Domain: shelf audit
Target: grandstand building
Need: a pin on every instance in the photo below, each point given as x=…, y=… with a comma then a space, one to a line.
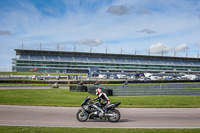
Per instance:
x=81, y=62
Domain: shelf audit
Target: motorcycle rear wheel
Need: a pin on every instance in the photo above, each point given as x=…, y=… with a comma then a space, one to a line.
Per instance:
x=116, y=116
x=82, y=116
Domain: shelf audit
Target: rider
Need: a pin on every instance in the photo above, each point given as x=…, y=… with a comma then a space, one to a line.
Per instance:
x=103, y=97
x=56, y=84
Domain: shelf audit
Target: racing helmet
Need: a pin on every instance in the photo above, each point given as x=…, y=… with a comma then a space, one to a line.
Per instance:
x=98, y=91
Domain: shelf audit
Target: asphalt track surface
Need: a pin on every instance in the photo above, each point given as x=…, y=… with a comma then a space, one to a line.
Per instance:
x=45, y=116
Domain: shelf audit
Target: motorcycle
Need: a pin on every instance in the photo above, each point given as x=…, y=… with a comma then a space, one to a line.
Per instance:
x=55, y=86
x=88, y=111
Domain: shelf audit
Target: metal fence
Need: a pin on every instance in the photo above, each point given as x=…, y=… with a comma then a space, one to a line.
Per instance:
x=152, y=90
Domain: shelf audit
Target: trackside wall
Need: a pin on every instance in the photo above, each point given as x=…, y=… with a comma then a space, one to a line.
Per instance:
x=151, y=90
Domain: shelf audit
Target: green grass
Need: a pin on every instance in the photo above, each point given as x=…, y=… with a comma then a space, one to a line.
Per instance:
x=49, y=97
x=31, y=84
x=64, y=97
x=160, y=101
x=10, y=129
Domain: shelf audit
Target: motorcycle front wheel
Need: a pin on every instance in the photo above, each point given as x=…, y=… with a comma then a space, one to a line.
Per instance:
x=116, y=115
x=82, y=116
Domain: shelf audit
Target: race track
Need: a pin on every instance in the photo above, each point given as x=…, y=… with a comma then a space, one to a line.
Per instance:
x=14, y=115
x=30, y=87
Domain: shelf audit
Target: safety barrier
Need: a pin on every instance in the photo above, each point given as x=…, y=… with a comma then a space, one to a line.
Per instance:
x=152, y=90
x=80, y=88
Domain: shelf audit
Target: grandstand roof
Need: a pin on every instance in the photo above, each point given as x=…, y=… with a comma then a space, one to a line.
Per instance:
x=88, y=54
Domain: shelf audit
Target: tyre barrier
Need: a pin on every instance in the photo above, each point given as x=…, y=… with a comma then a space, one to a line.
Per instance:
x=80, y=88
x=108, y=92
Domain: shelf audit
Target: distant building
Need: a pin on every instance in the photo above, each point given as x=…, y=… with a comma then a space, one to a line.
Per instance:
x=81, y=62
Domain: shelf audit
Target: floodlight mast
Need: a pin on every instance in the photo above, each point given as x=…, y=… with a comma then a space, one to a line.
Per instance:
x=22, y=45
x=57, y=47
x=135, y=51
x=74, y=47
x=40, y=46
x=91, y=49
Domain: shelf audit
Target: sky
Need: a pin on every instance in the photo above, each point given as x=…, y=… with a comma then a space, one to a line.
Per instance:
x=142, y=27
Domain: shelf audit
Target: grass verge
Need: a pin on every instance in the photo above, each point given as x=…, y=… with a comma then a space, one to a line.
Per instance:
x=11, y=129
x=64, y=97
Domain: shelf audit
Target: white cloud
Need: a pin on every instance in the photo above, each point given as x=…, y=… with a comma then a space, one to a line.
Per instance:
x=118, y=10
x=159, y=48
x=90, y=42
x=4, y=32
x=147, y=31
x=181, y=48
x=197, y=44
x=143, y=11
